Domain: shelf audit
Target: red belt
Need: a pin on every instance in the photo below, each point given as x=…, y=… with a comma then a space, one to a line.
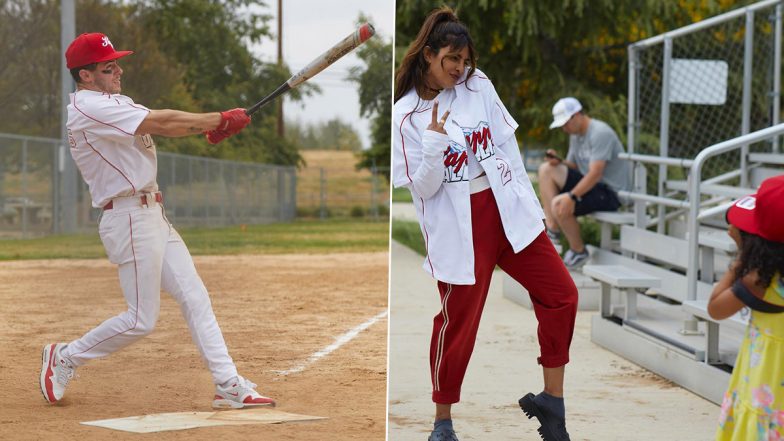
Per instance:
x=143, y=199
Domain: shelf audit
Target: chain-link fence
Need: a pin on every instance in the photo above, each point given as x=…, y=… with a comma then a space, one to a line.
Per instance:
x=336, y=192
x=198, y=191
x=706, y=83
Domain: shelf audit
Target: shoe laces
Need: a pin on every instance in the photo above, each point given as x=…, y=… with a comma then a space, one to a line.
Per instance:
x=65, y=372
x=245, y=383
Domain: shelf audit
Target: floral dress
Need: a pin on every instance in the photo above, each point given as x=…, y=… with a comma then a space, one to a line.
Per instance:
x=753, y=406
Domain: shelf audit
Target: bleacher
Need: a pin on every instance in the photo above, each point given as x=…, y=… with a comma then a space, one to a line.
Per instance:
x=655, y=279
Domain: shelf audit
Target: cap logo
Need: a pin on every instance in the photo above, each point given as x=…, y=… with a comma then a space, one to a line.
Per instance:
x=747, y=203
x=105, y=42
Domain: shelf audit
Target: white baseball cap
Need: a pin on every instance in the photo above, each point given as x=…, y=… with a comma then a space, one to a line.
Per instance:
x=563, y=110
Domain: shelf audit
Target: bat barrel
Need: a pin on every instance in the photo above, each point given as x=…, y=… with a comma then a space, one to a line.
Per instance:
x=366, y=31
x=345, y=46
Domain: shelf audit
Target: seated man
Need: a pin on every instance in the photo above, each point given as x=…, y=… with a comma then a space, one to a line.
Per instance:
x=587, y=181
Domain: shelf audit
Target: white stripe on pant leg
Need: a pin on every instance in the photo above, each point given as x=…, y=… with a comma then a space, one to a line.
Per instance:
x=339, y=341
x=441, y=334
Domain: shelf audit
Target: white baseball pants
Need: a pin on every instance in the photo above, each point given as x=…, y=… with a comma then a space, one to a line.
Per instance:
x=151, y=255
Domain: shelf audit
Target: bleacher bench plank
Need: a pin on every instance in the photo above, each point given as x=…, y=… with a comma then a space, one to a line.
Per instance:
x=699, y=308
x=621, y=277
x=767, y=158
x=614, y=217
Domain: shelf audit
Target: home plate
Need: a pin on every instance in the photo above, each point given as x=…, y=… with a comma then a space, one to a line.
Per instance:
x=160, y=422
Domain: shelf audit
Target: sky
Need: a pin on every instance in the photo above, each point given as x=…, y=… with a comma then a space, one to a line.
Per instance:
x=309, y=29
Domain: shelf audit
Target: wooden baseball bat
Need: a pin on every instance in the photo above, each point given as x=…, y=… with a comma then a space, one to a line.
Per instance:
x=320, y=63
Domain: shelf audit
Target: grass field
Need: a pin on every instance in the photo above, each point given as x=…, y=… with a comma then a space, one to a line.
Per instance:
x=347, y=191
x=302, y=236
x=401, y=195
x=409, y=234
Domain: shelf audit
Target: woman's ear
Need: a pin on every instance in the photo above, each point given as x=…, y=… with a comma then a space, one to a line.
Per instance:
x=429, y=54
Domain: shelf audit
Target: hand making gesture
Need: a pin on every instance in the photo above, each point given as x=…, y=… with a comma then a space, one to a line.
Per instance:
x=437, y=125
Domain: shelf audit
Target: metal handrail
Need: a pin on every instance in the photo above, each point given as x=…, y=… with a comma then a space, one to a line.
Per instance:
x=705, y=23
x=662, y=160
x=659, y=200
x=694, y=193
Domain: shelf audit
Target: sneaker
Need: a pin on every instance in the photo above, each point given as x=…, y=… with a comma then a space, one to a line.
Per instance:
x=240, y=394
x=553, y=428
x=443, y=435
x=573, y=259
x=56, y=372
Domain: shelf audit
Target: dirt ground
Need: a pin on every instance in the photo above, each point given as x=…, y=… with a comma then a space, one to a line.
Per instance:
x=275, y=311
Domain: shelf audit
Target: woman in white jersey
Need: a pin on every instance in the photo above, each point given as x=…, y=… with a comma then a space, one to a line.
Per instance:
x=110, y=142
x=455, y=150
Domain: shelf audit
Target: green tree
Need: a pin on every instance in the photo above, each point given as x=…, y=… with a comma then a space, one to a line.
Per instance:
x=330, y=135
x=209, y=40
x=189, y=55
x=375, y=99
x=536, y=52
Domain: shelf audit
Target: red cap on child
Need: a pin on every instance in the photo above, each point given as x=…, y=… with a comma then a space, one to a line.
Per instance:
x=763, y=213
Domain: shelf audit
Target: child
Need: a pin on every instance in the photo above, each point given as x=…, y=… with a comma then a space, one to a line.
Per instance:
x=753, y=406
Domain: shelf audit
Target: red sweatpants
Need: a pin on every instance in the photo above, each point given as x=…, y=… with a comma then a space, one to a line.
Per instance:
x=537, y=267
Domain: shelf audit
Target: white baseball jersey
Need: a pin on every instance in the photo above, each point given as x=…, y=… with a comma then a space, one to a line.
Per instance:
x=437, y=170
x=113, y=161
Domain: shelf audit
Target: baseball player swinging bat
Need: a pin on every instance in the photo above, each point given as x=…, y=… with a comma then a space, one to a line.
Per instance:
x=320, y=63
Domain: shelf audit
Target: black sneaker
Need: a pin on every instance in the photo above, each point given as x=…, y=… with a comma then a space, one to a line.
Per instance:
x=443, y=435
x=553, y=427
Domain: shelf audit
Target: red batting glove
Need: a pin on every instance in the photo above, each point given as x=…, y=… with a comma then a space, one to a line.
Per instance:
x=216, y=136
x=232, y=121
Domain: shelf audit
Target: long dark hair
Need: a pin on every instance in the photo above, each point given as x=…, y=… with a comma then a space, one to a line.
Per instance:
x=440, y=29
x=757, y=253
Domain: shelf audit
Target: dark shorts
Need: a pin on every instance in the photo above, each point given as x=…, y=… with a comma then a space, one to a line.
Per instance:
x=600, y=198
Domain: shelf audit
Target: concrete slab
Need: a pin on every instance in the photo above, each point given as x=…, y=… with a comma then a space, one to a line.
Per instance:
x=607, y=397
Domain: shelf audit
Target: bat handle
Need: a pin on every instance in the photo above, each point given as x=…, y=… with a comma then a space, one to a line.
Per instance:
x=254, y=108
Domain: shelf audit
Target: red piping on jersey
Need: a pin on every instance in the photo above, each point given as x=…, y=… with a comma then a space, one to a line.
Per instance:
x=138, y=107
x=136, y=278
x=427, y=239
x=403, y=139
x=73, y=101
x=107, y=161
x=502, y=114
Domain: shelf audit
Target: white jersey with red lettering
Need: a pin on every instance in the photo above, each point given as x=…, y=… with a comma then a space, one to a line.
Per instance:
x=112, y=159
x=437, y=168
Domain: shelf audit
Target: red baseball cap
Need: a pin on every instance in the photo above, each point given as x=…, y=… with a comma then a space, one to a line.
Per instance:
x=762, y=213
x=91, y=48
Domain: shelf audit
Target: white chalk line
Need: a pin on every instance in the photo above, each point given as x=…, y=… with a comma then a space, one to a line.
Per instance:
x=339, y=341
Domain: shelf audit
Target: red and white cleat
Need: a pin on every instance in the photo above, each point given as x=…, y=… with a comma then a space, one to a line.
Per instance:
x=240, y=394
x=56, y=372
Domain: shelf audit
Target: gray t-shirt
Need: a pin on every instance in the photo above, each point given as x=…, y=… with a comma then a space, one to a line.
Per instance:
x=600, y=143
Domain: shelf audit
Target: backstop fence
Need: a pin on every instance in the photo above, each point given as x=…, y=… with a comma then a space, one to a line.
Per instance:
x=197, y=191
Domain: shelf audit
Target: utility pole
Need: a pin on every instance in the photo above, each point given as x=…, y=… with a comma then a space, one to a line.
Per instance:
x=64, y=200
x=281, y=128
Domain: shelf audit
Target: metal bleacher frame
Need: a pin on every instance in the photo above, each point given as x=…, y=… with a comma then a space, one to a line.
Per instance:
x=652, y=286
x=664, y=277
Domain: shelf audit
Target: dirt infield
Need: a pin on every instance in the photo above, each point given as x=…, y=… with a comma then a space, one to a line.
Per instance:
x=275, y=312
